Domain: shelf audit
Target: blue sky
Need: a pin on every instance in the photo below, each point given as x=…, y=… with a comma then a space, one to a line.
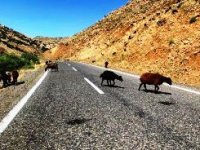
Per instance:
x=54, y=18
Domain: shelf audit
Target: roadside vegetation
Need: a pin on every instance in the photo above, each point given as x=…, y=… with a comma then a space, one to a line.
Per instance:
x=12, y=61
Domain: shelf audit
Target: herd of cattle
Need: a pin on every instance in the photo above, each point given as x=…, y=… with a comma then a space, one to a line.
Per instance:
x=155, y=79
x=147, y=78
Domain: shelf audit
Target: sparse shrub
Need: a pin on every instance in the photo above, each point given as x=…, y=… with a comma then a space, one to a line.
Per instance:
x=179, y=5
x=193, y=19
x=171, y=42
x=161, y=22
x=130, y=37
x=125, y=44
x=168, y=9
x=143, y=9
x=114, y=53
x=157, y=14
x=174, y=11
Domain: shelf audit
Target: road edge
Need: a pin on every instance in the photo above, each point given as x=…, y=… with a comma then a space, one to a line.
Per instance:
x=16, y=109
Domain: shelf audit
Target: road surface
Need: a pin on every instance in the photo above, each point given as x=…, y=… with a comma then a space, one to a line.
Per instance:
x=71, y=110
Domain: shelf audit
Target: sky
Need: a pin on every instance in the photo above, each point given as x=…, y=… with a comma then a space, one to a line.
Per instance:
x=54, y=18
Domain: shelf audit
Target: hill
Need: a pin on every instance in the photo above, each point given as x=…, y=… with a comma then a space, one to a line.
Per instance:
x=12, y=41
x=143, y=36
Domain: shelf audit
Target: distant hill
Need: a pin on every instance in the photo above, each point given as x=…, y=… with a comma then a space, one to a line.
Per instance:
x=143, y=36
x=12, y=41
x=50, y=42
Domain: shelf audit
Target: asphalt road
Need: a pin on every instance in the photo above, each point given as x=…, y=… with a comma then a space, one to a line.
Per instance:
x=66, y=112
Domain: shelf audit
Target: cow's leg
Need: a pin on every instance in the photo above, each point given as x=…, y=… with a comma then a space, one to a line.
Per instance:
x=102, y=81
x=145, y=87
x=140, y=86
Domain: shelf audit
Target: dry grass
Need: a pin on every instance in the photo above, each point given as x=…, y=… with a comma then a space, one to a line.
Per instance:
x=10, y=96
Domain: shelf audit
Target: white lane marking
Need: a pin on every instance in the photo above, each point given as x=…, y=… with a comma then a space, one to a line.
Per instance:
x=94, y=86
x=186, y=89
x=11, y=115
x=74, y=69
x=183, y=89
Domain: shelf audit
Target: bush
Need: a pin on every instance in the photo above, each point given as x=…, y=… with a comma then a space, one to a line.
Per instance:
x=114, y=53
x=171, y=42
x=161, y=22
x=30, y=57
x=11, y=62
x=193, y=19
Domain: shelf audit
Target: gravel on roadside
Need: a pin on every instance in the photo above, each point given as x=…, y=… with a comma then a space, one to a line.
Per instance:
x=11, y=95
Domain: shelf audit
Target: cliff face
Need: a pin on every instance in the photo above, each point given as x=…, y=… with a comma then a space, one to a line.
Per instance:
x=144, y=35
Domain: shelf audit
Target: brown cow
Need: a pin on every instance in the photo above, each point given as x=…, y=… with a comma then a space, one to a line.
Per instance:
x=153, y=79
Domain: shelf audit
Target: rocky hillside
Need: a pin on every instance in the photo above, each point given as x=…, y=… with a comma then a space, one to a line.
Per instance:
x=14, y=42
x=50, y=42
x=144, y=35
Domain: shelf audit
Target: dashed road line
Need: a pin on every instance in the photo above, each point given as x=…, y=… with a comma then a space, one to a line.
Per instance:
x=74, y=69
x=94, y=86
x=11, y=115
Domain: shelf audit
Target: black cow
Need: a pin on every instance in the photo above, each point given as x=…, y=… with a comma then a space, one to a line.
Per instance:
x=110, y=76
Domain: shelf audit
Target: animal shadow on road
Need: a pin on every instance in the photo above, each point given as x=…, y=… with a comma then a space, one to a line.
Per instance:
x=158, y=92
x=19, y=83
x=11, y=84
x=167, y=103
x=114, y=86
x=78, y=121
